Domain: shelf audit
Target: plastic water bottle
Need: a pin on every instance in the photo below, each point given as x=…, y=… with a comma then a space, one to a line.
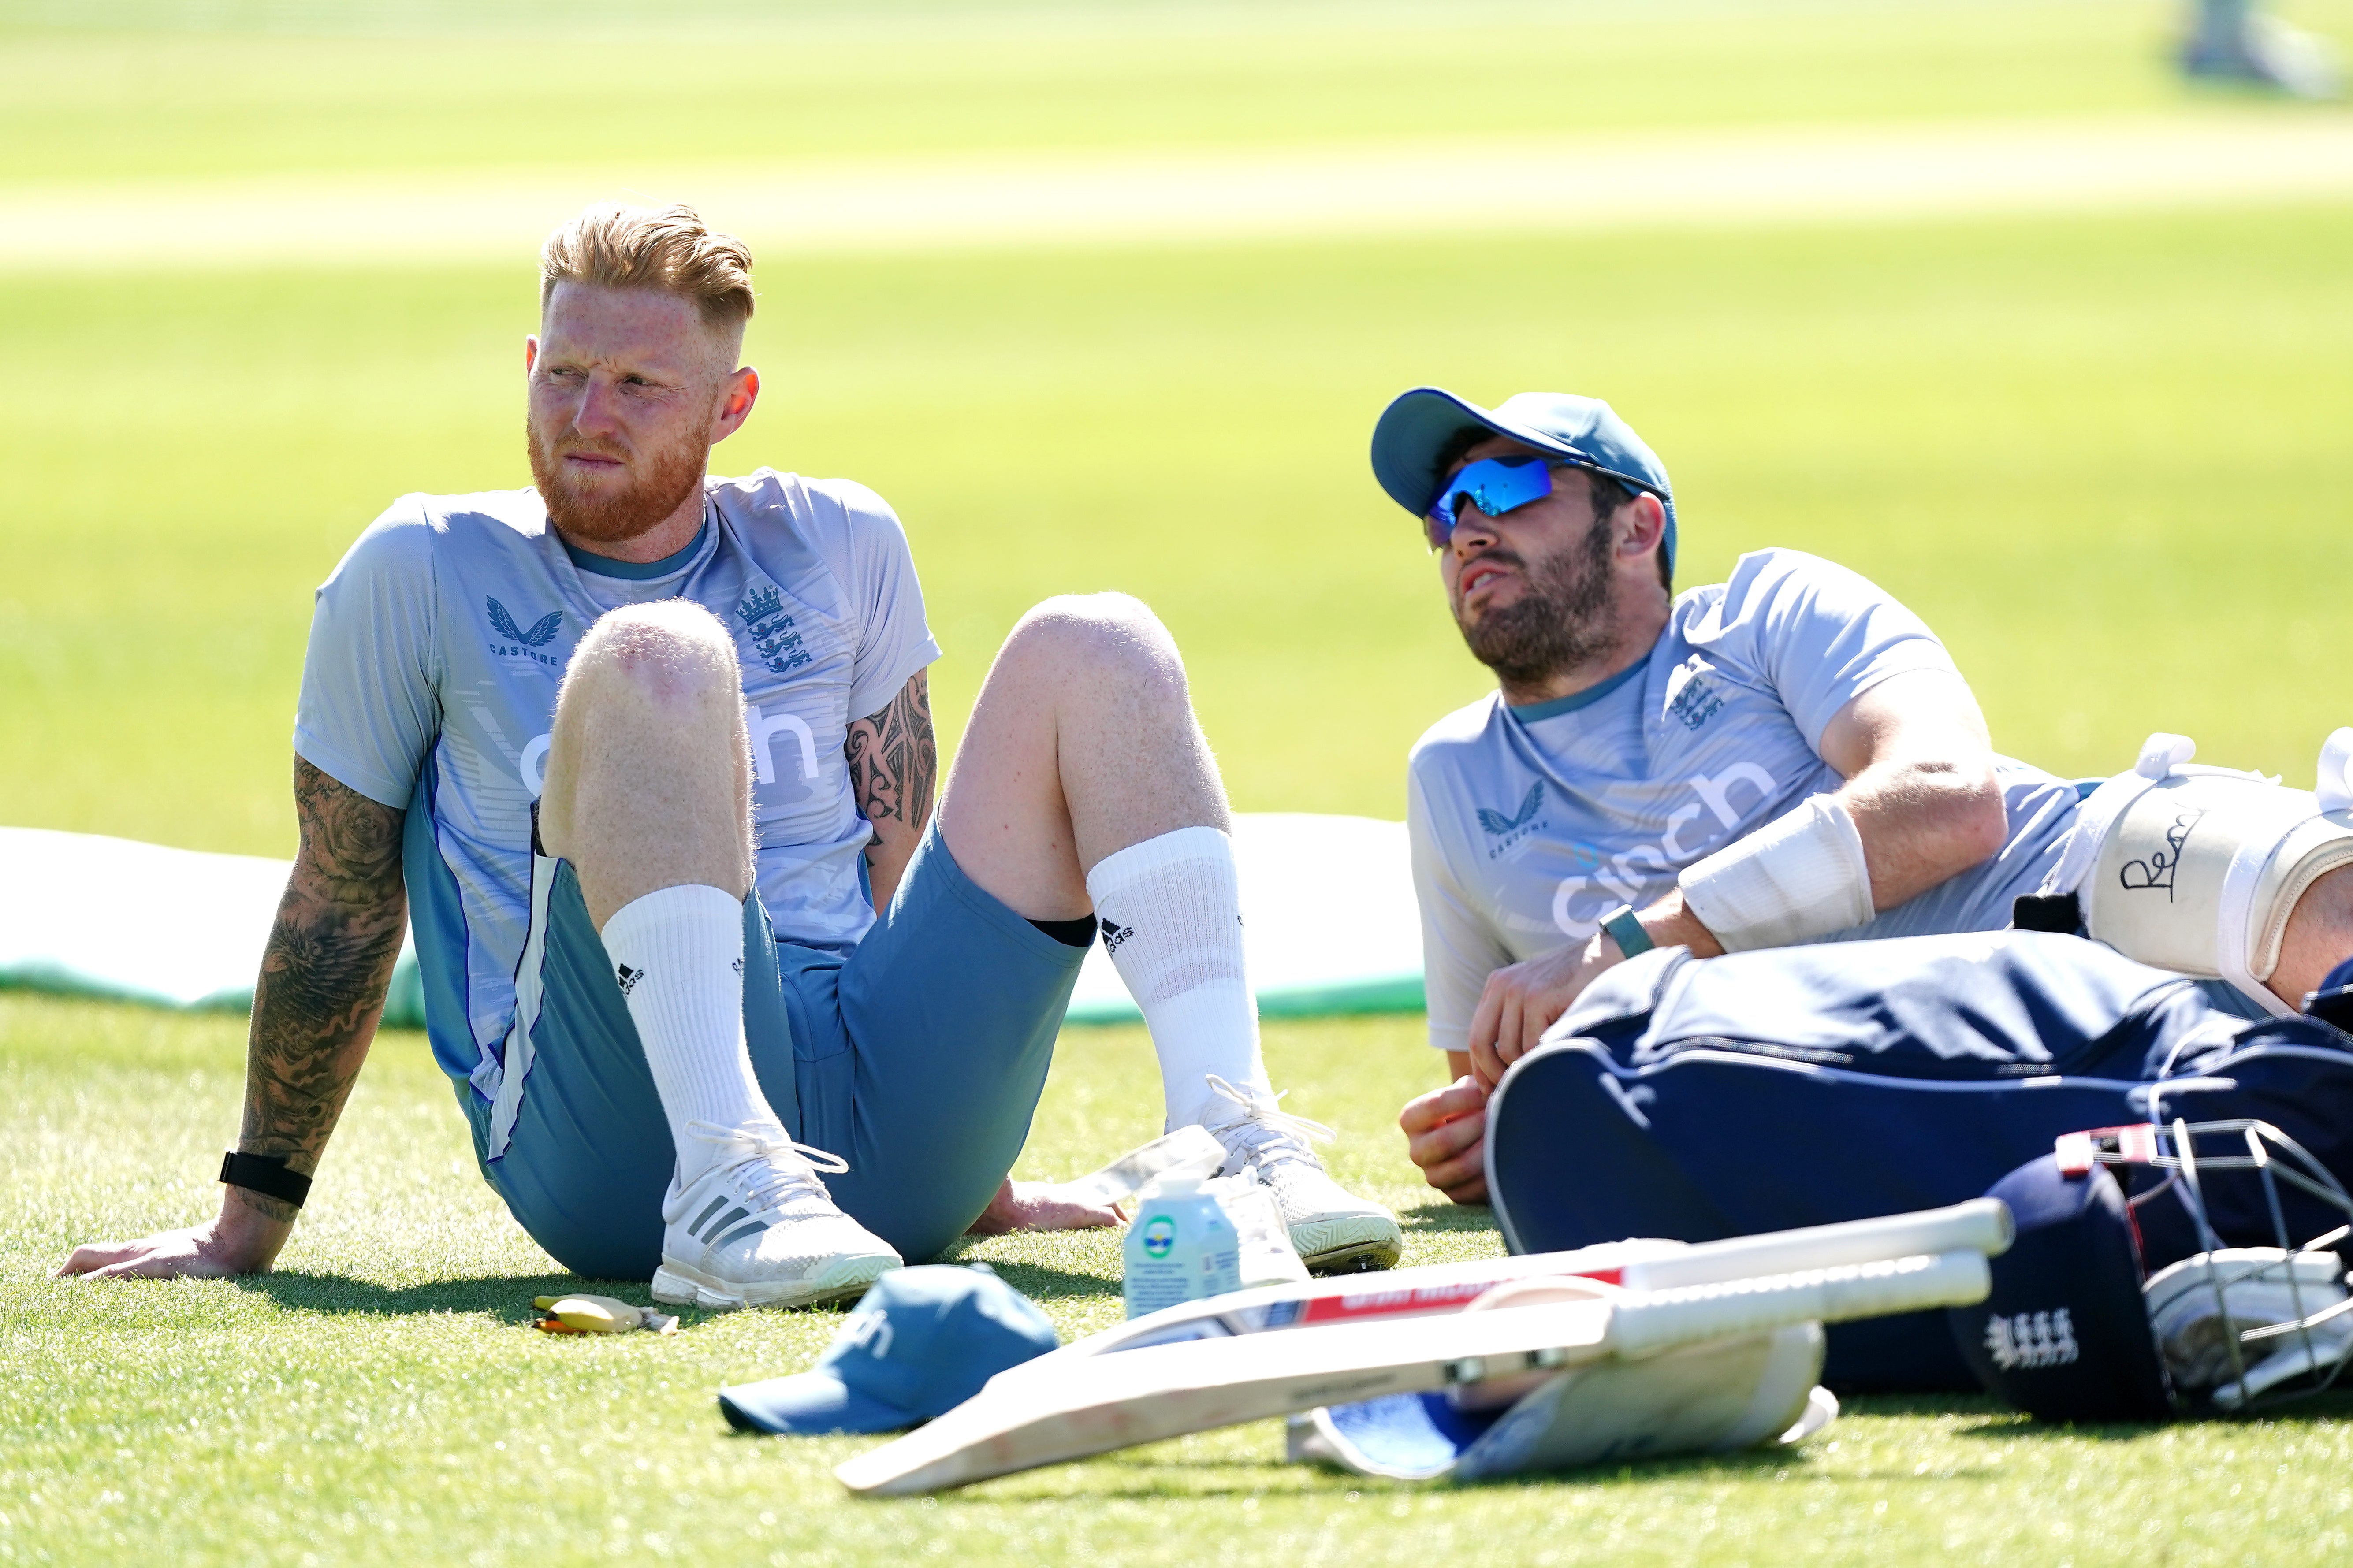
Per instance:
x=1180, y=1247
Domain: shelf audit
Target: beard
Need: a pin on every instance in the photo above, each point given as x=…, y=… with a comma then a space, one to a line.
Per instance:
x=1561, y=619
x=620, y=513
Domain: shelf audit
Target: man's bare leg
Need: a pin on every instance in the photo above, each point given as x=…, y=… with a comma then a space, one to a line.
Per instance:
x=1083, y=745
x=649, y=798
x=1084, y=784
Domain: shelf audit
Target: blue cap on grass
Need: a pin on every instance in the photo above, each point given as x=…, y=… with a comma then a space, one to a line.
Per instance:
x=2065, y=1334
x=1416, y=427
x=921, y=1343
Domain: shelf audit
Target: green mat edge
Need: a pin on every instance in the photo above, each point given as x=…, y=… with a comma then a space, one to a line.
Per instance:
x=404, y=1006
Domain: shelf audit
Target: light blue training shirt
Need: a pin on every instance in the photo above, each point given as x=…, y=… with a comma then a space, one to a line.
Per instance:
x=437, y=645
x=1528, y=824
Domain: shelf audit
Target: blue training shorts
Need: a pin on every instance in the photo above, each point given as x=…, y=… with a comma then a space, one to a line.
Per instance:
x=918, y=1059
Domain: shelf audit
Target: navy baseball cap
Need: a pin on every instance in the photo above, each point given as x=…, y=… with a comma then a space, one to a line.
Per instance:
x=2065, y=1334
x=921, y=1343
x=1419, y=424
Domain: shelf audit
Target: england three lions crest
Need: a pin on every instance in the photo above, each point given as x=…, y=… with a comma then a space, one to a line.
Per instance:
x=774, y=639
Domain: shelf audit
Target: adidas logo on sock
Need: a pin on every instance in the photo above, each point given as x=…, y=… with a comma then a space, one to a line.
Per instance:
x=628, y=977
x=739, y=966
x=1115, y=934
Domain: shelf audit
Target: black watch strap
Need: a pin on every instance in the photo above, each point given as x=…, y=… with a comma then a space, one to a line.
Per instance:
x=266, y=1175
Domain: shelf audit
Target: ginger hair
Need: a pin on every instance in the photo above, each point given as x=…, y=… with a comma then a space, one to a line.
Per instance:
x=672, y=250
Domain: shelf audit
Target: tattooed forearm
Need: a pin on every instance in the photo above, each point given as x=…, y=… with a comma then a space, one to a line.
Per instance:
x=322, y=974
x=895, y=767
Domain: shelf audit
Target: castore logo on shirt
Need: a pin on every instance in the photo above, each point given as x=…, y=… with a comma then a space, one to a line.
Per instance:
x=525, y=643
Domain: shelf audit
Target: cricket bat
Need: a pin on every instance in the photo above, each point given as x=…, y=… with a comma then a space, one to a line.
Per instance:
x=1980, y=1224
x=1093, y=1405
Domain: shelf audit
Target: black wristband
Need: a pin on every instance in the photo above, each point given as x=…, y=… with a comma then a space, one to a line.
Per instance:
x=266, y=1175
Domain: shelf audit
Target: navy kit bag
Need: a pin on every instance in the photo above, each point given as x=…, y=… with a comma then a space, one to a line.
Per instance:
x=1802, y=1085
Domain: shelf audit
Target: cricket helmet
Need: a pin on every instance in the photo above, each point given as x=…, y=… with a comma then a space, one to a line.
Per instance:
x=2079, y=1329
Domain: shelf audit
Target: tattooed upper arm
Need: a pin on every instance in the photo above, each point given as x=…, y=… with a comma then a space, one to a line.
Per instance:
x=894, y=762
x=323, y=972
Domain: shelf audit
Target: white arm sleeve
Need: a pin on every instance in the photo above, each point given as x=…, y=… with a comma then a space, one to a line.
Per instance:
x=1799, y=877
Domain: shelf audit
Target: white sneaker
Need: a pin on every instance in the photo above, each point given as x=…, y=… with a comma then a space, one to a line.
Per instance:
x=1333, y=1231
x=758, y=1229
x=2266, y=52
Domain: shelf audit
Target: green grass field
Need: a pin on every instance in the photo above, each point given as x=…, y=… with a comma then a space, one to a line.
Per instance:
x=2102, y=455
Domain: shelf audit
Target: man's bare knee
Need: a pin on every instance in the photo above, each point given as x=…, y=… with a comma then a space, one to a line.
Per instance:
x=649, y=764
x=1094, y=640
x=668, y=656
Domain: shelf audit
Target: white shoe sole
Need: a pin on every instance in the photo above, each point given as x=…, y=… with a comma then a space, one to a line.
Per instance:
x=1355, y=1244
x=846, y=1281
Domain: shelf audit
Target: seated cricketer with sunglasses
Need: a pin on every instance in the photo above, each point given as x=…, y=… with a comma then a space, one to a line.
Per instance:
x=1789, y=756
x=646, y=757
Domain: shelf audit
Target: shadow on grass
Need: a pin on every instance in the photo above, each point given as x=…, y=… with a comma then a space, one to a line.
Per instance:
x=1444, y=1214
x=2005, y=1424
x=507, y=1298
x=1173, y=1479
x=1039, y=1281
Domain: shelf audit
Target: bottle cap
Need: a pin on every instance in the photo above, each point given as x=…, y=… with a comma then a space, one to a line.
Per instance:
x=1176, y=1187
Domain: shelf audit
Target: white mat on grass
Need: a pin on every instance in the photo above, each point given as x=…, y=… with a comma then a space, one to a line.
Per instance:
x=1327, y=911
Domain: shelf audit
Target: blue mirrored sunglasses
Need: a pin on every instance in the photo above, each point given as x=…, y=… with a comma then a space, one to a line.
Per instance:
x=1493, y=485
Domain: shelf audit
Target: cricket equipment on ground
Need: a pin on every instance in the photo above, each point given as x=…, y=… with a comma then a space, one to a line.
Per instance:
x=2197, y=869
x=1419, y=427
x=1069, y=1409
x=2265, y=1290
x=1493, y=485
x=1717, y=1396
x=2238, y=1326
x=758, y=1229
x=1802, y=1086
x=598, y=1315
x=678, y=956
x=1331, y=1229
x=2063, y=1334
x=923, y=1341
x=1799, y=877
x=1980, y=1224
x=1171, y=914
x=1422, y=1295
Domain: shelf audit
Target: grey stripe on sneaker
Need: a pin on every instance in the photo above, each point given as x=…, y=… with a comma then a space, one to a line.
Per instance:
x=740, y=1232
x=695, y=1229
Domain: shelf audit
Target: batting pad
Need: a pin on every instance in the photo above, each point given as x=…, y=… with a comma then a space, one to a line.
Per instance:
x=1327, y=911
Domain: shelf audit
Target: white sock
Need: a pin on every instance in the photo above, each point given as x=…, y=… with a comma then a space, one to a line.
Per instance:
x=1171, y=909
x=678, y=956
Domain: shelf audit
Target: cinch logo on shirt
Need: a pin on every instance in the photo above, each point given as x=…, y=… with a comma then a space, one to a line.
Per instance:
x=521, y=643
x=1632, y=872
